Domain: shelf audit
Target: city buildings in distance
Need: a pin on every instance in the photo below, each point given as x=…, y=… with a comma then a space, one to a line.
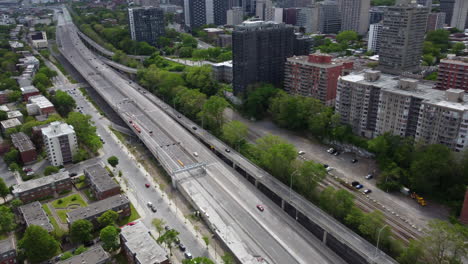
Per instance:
x=146, y=24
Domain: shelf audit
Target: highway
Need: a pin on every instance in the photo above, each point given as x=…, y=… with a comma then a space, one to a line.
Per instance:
x=227, y=201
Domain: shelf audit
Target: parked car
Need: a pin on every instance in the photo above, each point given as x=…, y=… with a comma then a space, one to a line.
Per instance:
x=355, y=183
x=301, y=152
x=369, y=176
x=182, y=247
x=188, y=255
x=147, y=185
x=325, y=166
x=359, y=186
x=367, y=191
x=354, y=160
x=329, y=169
x=194, y=128
x=227, y=150
x=150, y=204
x=337, y=153
x=331, y=150
x=260, y=207
x=167, y=228
x=73, y=174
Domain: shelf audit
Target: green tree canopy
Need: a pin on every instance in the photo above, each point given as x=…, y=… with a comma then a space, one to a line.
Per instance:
x=12, y=156
x=201, y=78
x=63, y=102
x=347, y=36
x=7, y=219
x=81, y=231
x=3, y=115
x=113, y=161
x=110, y=238
x=190, y=102
x=212, y=113
x=108, y=218
x=4, y=190
x=198, y=260
x=258, y=100
x=234, y=133
x=85, y=131
x=37, y=244
x=49, y=170
x=158, y=223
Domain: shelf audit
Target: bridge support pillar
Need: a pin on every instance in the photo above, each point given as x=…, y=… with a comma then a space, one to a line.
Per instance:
x=324, y=240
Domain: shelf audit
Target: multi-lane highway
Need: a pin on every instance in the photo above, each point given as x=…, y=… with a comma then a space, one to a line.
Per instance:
x=228, y=202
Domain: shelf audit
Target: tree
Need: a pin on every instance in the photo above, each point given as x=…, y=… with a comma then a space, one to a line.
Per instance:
x=85, y=131
x=201, y=78
x=80, y=250
x=108, y=218
x=411, y=254
x=3, y=115
x=81, y=230
x=347, y=36
x=234, y=133
x=440, y=38
x=41, y=80
x=66, y=255
x=14, y=96
x=37, y=244
x=190, y=102
x=458, y=48
x=63, y=102
x=276, y=155
x=110, y=238
x=168, y=238
x=373, y=227
x=198, y=260
x=207, y=240
x=228, y=259
x=4, y=190
x=309, y=175
x=212, y=113
x=50, y=170
x=12, y=156
x=7, y=219
x=159, y=223
x=15, y=203
x=258, y=100
x=113, y=161
x=185, y=52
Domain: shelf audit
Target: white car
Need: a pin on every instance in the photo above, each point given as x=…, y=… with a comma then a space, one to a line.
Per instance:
x=329, y=169
x=301, y=152
x=150, y=204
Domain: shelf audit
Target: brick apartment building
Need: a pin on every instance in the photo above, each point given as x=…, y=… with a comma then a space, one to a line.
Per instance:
x=315, y=75
x=29, y=91
x=7, y=251
x=117, y=203
x=25, y=147
x=139, y=247
x=36, y=189
x=453, y=73
x=100, y=182
x=39, y=105
x=34, y=214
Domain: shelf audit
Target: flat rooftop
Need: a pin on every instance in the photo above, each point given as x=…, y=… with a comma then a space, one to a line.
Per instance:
x=32, y=184
x=14, y=122
x=6, y=245
x=34, y=214
x=97, y=208
x=29, y=89
x=41, y=101
x=99, y=176
x=22, y=142
x=140, y=243
x=425, y=91
x=56, y=129
x=93, y=255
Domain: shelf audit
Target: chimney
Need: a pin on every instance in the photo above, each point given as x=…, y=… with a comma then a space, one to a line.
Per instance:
x=371, y=76
x=454, y=95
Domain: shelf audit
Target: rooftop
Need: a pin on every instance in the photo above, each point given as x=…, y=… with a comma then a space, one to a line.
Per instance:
x=4, y=108
x=100, y=178
x=95, y=254
x=224, y=63
x=14, y=113
x=213, y=30
x=34, y=214
x=140, y=243
x=56, y=129
x=22, y=142
x=28, y=89
x=41, y=101
x=97, y=208
x=6, y=245
x=9, y=123
x=425, y=91
x=32, y=184
x=317, y=60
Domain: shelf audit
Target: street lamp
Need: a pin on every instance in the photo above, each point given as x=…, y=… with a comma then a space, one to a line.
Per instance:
x=290, y=184
x=378, y=239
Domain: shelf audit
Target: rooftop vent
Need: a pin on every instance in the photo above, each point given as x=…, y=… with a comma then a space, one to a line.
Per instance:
x=372, y=76
x=454, y=95
x=408, y=84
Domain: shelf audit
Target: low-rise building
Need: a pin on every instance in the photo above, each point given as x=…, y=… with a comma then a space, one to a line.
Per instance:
x=25, y=147
x=222, y=72
x=140, y=247
x=315, y=75
x=373, y=104
x=39, y=105
x=4, y=146
x=4, y=96
x=60, y=143
x=15, y=114
x=29, y=91
x=7, y=251
x=93, y=255
x=9, y=123
x=36, y=189
x=100, y=182
x=39, y=40
x=34, y=214
x=117, y=203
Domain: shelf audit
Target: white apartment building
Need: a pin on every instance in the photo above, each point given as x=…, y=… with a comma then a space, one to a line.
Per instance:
x=375, y=32
x=373, y=104
x=60, y=142
x=235, y=16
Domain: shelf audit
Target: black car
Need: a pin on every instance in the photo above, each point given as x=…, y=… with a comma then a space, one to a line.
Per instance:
x=325, y=166
x=167, y=228
x=227, y=150
x=182, y=247
x=194, y=128
x=73, y=174
x=354, y=160
x=355, y=183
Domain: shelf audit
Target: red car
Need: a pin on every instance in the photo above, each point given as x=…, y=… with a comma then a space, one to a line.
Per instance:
x=260, y=207
x=147, y=185
x=131, y=223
